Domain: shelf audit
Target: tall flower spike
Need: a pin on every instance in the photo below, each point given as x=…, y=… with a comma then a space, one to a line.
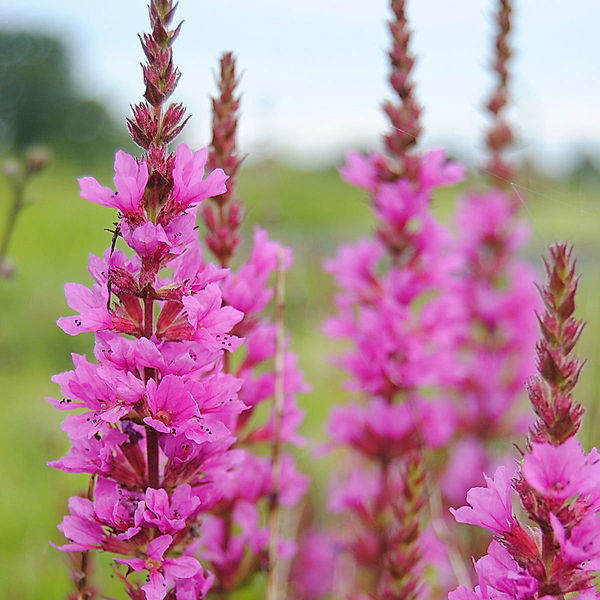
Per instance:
x=498, y=305
x=391, y=308
x=558, y=415
x=155, y=412
x=238, y=541
x=557, y=482
x=499, y=137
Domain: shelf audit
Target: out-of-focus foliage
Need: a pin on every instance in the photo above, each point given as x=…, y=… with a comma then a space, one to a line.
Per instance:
x=40, y=102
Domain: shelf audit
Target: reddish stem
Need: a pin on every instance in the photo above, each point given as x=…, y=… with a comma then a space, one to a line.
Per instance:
x=151, y=433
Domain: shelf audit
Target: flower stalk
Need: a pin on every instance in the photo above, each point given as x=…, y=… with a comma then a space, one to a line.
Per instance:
x=157, y=406
x=18, y=174
x=499, y=136
x=267, y=371
x=390, y=308
x=273, y=573
x=557, y=482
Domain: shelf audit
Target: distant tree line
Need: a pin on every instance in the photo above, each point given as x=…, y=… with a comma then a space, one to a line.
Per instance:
x=41, y=104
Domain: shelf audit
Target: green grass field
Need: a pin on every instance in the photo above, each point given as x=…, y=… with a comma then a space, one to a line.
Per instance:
x=312, y=212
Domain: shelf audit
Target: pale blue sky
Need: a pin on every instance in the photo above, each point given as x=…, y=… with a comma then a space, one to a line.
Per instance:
x=314, y=70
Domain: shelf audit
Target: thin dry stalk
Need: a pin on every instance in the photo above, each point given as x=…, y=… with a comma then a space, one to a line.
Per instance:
x=274, y=585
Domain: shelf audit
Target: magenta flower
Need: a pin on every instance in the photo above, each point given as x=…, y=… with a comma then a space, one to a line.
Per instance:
x=130, y=182
x=503, y=574
x=490, y=506
x=169, y=514
x=91, y=306
x=80, y=527
x=163, y=573
x=91, y=455
x=110, y=522
x=557, y=472
x=359, y=170
x=108, y=395
x=436, y=170
x=170, y=403
x=354, y=267
x=581, y=546
x=211, y=321
x=189, y=185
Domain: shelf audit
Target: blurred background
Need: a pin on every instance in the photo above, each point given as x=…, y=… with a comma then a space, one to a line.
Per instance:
x=314, y=78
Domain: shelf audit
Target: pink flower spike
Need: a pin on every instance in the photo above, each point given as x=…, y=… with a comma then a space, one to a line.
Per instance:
x=490, y=506
x=556, y=472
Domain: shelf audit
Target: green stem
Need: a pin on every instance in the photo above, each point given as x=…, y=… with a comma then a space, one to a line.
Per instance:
x=16, y=206
x=151, y=433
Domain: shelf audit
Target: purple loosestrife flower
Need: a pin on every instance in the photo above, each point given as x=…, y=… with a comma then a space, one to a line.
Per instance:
x=401, y=352
x=492, y=288
x=155, y=416
x=557, y=482
x=235, y=556
x=491, y=506
x=162, y=572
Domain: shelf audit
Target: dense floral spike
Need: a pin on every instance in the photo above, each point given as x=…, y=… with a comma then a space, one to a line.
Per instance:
x=225, y=109
x=157, y=413
x=500, y=136
x=558, y=415
x=235, y=557
x=498, y=304
x=497, y=307
x=156, y=404
x=557, y=482
x=400, y=327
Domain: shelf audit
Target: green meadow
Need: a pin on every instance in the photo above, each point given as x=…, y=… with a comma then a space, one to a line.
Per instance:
x=310, y=211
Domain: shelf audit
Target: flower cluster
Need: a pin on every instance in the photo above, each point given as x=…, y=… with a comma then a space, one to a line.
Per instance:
x=442, y=323
x=557, y=482
x=235, y=543
x=151, y=411
x=155, y=415
x=493, y=291
x=400, y=327
x=390, y=308
x=162, y=414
